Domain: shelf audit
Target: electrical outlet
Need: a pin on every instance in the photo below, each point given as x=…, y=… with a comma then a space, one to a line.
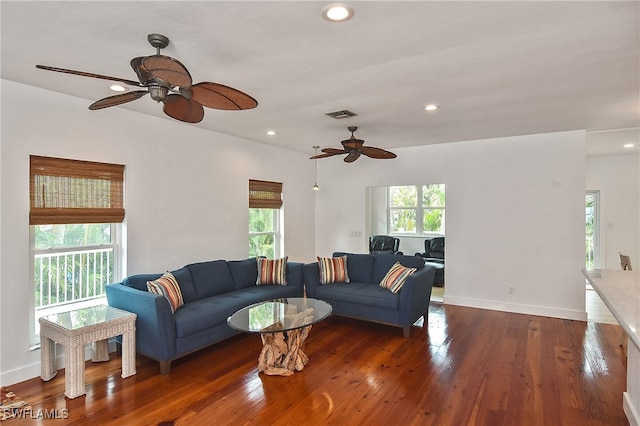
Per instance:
x=511, y=289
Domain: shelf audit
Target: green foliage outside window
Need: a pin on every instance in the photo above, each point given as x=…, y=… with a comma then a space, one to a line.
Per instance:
x=433, y=208
x=406, y=213
x=75, y=235
x=590, y=230
x=262, y=232
x=72, y=262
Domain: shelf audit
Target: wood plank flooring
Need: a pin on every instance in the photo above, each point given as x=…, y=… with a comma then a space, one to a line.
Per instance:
x=466, y=367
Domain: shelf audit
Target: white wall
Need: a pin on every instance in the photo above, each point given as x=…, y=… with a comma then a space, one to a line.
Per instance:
x=186, y=194
x=617, y=177
x=515, y=217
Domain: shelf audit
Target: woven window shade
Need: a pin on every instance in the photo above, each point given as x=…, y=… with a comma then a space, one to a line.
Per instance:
x=264, y=194
x=73, y=191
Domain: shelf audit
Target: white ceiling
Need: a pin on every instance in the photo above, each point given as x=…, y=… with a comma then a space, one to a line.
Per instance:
x=495, y=68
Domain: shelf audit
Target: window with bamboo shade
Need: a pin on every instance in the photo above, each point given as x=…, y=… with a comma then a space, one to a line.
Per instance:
x=265, y=194
x=66, y=191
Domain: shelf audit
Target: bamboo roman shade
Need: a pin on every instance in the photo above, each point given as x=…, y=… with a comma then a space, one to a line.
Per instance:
x=264, y=194
x=73, y=191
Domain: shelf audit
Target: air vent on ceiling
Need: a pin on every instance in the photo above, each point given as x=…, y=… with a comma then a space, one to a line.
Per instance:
x=341, y=114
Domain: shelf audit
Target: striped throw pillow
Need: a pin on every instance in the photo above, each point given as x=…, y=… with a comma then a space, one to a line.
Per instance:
x=395, y=278
x=333, y=270
x=167, y=286
x=272, y=271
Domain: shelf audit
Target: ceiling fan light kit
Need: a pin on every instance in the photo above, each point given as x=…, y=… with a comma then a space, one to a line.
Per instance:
x=168, y=81
x=354, y=148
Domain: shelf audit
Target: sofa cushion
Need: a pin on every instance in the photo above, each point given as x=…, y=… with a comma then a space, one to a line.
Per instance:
x=139, y=281
x=243, y=272
x=211, y=278
x=183, y=276
x=168, y=287
x=384, y=262
x=396, y=277
x=271, y=271
x=360, y=266
x=209, y=312
x=333, y=269
x=359, y=293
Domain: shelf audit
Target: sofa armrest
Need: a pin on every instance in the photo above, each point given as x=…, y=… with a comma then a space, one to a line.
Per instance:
x=415, y=295
x=295, y=276
x=155, y=326
x=311, y=278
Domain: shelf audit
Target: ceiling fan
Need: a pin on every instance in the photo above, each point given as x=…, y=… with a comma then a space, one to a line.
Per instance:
x=167, y=80
x=353, y=148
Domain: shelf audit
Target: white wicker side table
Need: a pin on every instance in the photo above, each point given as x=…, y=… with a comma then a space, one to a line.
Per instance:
x=74, y=330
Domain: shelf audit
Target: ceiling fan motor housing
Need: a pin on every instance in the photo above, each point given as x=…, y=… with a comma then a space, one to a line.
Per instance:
x=158, y=93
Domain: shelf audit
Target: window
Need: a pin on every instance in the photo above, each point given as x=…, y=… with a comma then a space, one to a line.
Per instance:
x=416, y=209
x=265, y=219
x=75, y=215
x=592, y=228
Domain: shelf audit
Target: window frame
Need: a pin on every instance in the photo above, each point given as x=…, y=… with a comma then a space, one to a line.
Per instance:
x=36, y=312
x=276, y=233
x=596, y=260
x=419, y=210
x=268, y=195
x=84, y=192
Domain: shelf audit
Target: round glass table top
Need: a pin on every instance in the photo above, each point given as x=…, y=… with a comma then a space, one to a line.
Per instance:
x=279, y=315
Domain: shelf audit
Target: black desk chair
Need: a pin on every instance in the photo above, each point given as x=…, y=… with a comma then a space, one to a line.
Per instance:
x=434, y=256
x=384, y=244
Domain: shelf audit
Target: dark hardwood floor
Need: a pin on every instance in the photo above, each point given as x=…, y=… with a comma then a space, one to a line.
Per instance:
x=467, y=367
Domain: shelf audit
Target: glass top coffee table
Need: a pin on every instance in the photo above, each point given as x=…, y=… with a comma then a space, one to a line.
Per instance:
x=283, y=325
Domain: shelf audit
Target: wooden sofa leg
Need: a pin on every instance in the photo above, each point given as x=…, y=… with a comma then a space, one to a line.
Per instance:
x=406, y=331
x=165, y=367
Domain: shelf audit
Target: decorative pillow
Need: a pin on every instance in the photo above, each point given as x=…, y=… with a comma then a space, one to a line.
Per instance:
x=395, y=278
x=272, y=271
x=333, y=269
x=167, y=286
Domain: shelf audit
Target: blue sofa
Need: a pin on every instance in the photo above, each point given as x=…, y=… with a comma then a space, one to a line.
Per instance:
x=212, y=291
x=363, y=298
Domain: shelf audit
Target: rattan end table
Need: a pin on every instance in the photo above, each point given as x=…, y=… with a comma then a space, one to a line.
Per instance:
x=74, y=330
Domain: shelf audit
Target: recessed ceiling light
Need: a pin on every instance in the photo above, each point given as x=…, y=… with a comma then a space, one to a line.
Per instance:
x=117, y=88
x=272, y=132
x=337, y=12
x=629, y=145
x=431, y=107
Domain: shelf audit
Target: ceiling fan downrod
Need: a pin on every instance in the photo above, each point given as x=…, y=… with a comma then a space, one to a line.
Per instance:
x=158, y=41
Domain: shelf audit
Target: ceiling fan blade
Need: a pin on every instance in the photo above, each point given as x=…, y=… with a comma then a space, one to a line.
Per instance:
x=374, y=152
x=166, y=69
x=143, y=75
x=117, y=99
x=183, y=109
x=334, y=151
x=219, y=96
x=89, y=74
x=353, y=156
x=329, y=153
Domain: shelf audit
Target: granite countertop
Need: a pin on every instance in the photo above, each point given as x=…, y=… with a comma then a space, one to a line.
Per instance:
x=620, y=291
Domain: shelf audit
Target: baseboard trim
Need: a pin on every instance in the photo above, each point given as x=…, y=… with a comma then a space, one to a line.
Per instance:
x=630, y=410
x=31, y=371
x=516, y=308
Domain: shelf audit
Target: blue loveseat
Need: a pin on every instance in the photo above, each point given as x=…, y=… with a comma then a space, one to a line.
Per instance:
x=363, y=298
x=212, y=291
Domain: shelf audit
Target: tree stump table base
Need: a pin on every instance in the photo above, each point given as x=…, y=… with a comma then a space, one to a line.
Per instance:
x=282, y=352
